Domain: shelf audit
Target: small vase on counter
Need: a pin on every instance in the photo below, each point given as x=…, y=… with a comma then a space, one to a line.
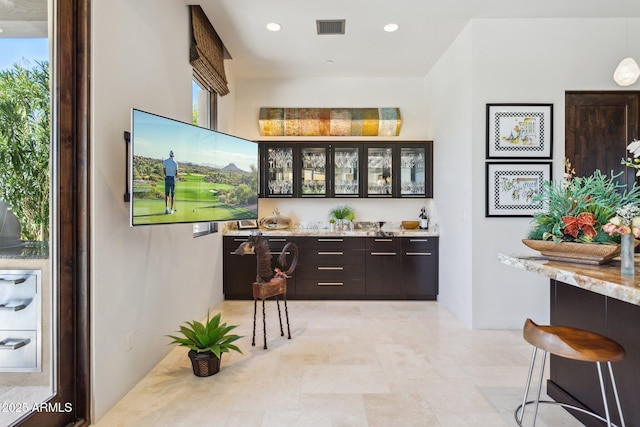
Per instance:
x=627, y=257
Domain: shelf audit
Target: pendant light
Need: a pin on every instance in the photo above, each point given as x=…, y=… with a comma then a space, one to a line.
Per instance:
x=627, y=71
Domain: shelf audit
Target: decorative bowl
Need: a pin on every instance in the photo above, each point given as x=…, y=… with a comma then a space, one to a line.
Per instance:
x=582, y=253
x=410, y=225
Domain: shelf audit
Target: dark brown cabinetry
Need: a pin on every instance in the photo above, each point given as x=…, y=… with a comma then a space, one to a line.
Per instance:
x=420, y=267
x=339, y=267
x=305, y=170
x=331, y=267
x=383, y=264
x=239, y=271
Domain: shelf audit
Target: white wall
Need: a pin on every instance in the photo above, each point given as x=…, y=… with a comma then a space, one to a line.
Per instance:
x=145, y=280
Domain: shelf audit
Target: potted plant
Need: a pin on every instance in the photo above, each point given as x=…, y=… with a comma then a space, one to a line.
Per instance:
x=206, y=342
x=575, y=211
x=342, y=213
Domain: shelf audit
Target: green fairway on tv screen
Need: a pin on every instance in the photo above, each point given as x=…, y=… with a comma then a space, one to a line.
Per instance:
x=183, y=173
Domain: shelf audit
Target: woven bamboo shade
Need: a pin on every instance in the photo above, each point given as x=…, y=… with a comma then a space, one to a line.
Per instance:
x=207, y=52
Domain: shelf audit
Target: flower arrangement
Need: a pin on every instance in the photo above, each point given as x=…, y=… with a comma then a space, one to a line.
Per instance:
x=626, y=221
x=577, y=207
x=634, y=148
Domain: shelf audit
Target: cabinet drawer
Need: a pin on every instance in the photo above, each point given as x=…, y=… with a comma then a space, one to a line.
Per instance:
x=334, y=242
x=331, y=257
x=19, y=313
x=330, y=288
x=231, y=243
x=18, y=351
x=419, y=243
x=384, y=244
x=330, y=272
x=17, y=284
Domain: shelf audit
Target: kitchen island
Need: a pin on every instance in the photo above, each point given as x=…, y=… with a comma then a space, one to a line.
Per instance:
x=599, y=299
x=391, y=263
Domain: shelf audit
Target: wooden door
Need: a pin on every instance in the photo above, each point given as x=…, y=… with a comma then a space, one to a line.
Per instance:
x=598, y=128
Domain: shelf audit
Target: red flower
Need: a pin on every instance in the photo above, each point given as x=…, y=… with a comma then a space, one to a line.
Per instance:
x=583, y=222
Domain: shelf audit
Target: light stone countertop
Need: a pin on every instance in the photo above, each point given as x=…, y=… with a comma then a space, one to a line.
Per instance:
x=601, y=279
x=308, y=232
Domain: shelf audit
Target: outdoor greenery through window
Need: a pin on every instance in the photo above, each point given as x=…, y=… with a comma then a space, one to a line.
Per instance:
x=25, y=145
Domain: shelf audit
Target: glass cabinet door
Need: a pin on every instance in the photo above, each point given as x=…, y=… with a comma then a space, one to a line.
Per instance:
x=379, y=180
x=346, y=171
x=279, y=165
x=412, y=171
x=313, y=175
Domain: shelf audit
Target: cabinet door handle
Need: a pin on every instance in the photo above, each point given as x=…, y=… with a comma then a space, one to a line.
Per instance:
x=383, y=240
x=330, y=240
x=418, y=240
x=419, y=253
x=277, y=240
x=330, y=253
x=13, y=344
x=12, y=282
x=330, y=283
x=383, y=253
x=18, y=307
x=330, y=268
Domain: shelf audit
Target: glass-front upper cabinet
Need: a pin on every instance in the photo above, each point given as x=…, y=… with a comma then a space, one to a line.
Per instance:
x=380, y=170
x=278, y=163
x=347, y=161
x=415, y=169
x=314, y=168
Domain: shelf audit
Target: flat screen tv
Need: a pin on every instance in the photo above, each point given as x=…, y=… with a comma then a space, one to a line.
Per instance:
x=216, y=179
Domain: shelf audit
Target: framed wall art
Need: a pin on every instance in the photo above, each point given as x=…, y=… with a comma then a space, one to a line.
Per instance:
x=519, y=131
x=247, y=224
x=511, y=188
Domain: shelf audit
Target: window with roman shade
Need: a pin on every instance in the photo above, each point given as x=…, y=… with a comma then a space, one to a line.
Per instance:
x=207, y=52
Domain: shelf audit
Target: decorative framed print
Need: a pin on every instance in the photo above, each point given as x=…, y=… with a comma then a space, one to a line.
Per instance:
x=519, y=131
x=511, y=188
x=247, y=224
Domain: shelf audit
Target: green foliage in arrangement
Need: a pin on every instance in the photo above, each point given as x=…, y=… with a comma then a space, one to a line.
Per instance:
x=568, y=205
x=211, y=336
x=25, y=146
x=342, y=212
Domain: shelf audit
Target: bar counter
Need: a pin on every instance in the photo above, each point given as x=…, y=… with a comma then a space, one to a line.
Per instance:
x=598, y=299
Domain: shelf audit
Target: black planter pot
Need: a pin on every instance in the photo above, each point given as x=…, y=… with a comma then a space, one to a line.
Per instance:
x=204, y=364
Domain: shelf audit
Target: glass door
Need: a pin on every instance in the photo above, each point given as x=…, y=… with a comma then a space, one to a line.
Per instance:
x=412, y=171
x=346, y=170
x=379, y=181
x=313, y=173
x=279, y=173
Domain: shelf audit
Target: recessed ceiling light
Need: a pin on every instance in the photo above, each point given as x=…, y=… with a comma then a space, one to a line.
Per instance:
x=274, y=26
x=329, y=61
x=390, y=28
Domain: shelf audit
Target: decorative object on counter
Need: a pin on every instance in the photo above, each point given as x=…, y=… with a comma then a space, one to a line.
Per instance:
x=522, y=131
x=245, y=224
x=626, y=224
x=329, y=121
x=575, y=252
x=332, y=225
x=206, y=343
x=276, y=221
x=342, y=214
x=410, y=225
x=269, y=283
x=424, y=220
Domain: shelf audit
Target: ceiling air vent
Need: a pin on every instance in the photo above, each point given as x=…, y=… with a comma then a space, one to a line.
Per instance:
x=330, y=26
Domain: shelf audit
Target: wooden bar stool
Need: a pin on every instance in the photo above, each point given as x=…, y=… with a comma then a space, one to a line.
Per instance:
x=262, y=290
x=576, y=344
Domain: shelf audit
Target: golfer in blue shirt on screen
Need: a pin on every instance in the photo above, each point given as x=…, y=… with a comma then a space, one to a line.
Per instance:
x=170, y=169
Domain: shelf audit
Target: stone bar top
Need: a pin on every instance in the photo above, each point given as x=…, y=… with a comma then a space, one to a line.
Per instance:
x=322, y=232
x=601, y=279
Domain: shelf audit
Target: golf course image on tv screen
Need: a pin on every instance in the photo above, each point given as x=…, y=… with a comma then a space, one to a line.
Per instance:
x=181, y=173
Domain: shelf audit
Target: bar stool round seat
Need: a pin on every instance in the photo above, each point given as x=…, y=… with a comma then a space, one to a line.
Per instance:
x=576, y=344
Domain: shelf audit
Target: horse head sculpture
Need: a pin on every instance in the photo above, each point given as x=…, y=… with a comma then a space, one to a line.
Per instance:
x=258, y=244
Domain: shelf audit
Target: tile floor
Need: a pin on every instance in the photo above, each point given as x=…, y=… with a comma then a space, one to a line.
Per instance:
x=349, y=364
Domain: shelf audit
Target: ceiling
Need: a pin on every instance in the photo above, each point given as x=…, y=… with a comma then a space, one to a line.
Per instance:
x=427, y=29
x=23, y=18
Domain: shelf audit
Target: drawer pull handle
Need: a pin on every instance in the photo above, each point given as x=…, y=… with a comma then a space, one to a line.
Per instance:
x=13, y=344
x=419, y=253
x=418, y=240
x=330, y=253
x=383, y=253
x=330, y=268
x=330, y=240
x=330, y=283
x=383, y=240
x=18, y=307
x=234, y=253
x=277, y=240
x=12, y=282
x=236, y=239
